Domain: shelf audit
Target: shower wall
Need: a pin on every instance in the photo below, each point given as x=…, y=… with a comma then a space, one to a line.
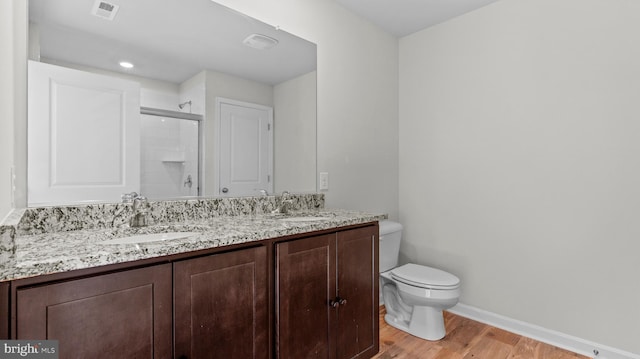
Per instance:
x=168, y=157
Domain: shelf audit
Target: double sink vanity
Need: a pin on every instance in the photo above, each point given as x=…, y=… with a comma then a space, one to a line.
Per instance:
x=206, y=278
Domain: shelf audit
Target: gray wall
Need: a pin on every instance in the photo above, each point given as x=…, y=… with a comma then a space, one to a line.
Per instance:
x=520, y=161
x=294, y=145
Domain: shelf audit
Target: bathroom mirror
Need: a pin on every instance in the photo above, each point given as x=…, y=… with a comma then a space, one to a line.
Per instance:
x=186, y=56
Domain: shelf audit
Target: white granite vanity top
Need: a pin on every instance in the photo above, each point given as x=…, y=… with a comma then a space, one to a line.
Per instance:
x=47, y=253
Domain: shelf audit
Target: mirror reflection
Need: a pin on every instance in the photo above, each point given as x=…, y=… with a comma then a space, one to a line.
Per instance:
x=168, y=98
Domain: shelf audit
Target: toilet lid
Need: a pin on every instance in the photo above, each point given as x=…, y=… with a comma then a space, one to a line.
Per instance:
x=425, y=277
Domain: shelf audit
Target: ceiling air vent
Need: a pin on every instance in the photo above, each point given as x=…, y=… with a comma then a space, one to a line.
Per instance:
x=260, y=42
x=104, y=10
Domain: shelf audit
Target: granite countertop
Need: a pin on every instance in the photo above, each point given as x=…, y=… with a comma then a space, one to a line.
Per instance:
x=49, y=253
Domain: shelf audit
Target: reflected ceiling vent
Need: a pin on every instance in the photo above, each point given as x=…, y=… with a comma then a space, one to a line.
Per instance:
x=104, y=10
x=260, y=42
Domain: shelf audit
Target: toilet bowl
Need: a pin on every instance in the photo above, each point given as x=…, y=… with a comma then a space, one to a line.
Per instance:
x=414, y=295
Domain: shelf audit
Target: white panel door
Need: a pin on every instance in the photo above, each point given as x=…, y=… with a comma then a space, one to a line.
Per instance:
x=246, y=148
x=83, y=136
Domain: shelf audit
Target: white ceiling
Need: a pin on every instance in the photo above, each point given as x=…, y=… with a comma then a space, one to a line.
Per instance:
x=170, y=40
x=403, y=17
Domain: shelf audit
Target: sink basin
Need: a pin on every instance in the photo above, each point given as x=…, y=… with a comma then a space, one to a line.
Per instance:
x=303, y=219
x=150, y=237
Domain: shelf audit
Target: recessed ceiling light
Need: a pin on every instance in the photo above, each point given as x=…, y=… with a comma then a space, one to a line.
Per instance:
x=126, y=65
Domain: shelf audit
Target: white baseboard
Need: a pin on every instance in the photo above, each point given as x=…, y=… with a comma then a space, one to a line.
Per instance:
x=561, y=340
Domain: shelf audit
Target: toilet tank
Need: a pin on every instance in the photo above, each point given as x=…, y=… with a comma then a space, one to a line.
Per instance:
x=390, y=236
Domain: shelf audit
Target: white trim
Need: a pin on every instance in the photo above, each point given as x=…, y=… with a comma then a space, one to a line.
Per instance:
x=552, y=337
x=202, y=150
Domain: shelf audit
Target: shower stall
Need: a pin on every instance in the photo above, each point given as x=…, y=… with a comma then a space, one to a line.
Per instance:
x=170, y=154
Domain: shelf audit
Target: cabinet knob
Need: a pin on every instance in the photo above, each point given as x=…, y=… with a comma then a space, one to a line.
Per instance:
x=337, y=302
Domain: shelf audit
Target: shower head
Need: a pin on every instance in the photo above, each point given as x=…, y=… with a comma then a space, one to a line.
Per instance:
x=182, y=105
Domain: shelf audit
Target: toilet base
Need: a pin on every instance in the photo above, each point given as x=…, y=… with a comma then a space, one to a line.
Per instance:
x=426, y=323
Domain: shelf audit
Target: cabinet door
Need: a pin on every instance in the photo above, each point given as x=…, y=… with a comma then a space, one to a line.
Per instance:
x=119, y=315
x=305, y=275
x=357, y=333
x=221, y=306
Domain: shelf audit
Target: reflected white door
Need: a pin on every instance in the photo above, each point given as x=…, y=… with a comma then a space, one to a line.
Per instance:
x=83, y=136
x=246, y=148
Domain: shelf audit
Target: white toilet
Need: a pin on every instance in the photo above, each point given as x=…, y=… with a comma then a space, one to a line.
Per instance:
x=414, y=295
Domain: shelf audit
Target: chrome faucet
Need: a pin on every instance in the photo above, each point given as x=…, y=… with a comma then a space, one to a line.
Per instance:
x=285, y=203
x=140, y=210
x=128, y=197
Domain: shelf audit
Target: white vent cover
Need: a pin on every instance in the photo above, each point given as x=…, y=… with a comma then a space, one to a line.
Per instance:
x=260, y=42
x=104, y=10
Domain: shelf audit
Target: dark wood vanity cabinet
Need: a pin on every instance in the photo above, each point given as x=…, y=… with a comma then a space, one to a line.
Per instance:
x=5, y=312
x=317, y=294
x=221, y=305
x=327, y=295
x=119, y=315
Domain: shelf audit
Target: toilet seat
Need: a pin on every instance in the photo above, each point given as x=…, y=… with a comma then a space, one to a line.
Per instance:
x=425, y=277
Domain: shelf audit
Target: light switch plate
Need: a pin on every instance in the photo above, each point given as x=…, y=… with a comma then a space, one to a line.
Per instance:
x=324, y=181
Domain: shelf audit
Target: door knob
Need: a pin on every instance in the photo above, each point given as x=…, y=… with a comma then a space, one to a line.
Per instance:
x=225, y=190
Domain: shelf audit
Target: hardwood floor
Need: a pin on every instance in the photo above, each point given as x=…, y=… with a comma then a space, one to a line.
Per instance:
x=465, y=339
